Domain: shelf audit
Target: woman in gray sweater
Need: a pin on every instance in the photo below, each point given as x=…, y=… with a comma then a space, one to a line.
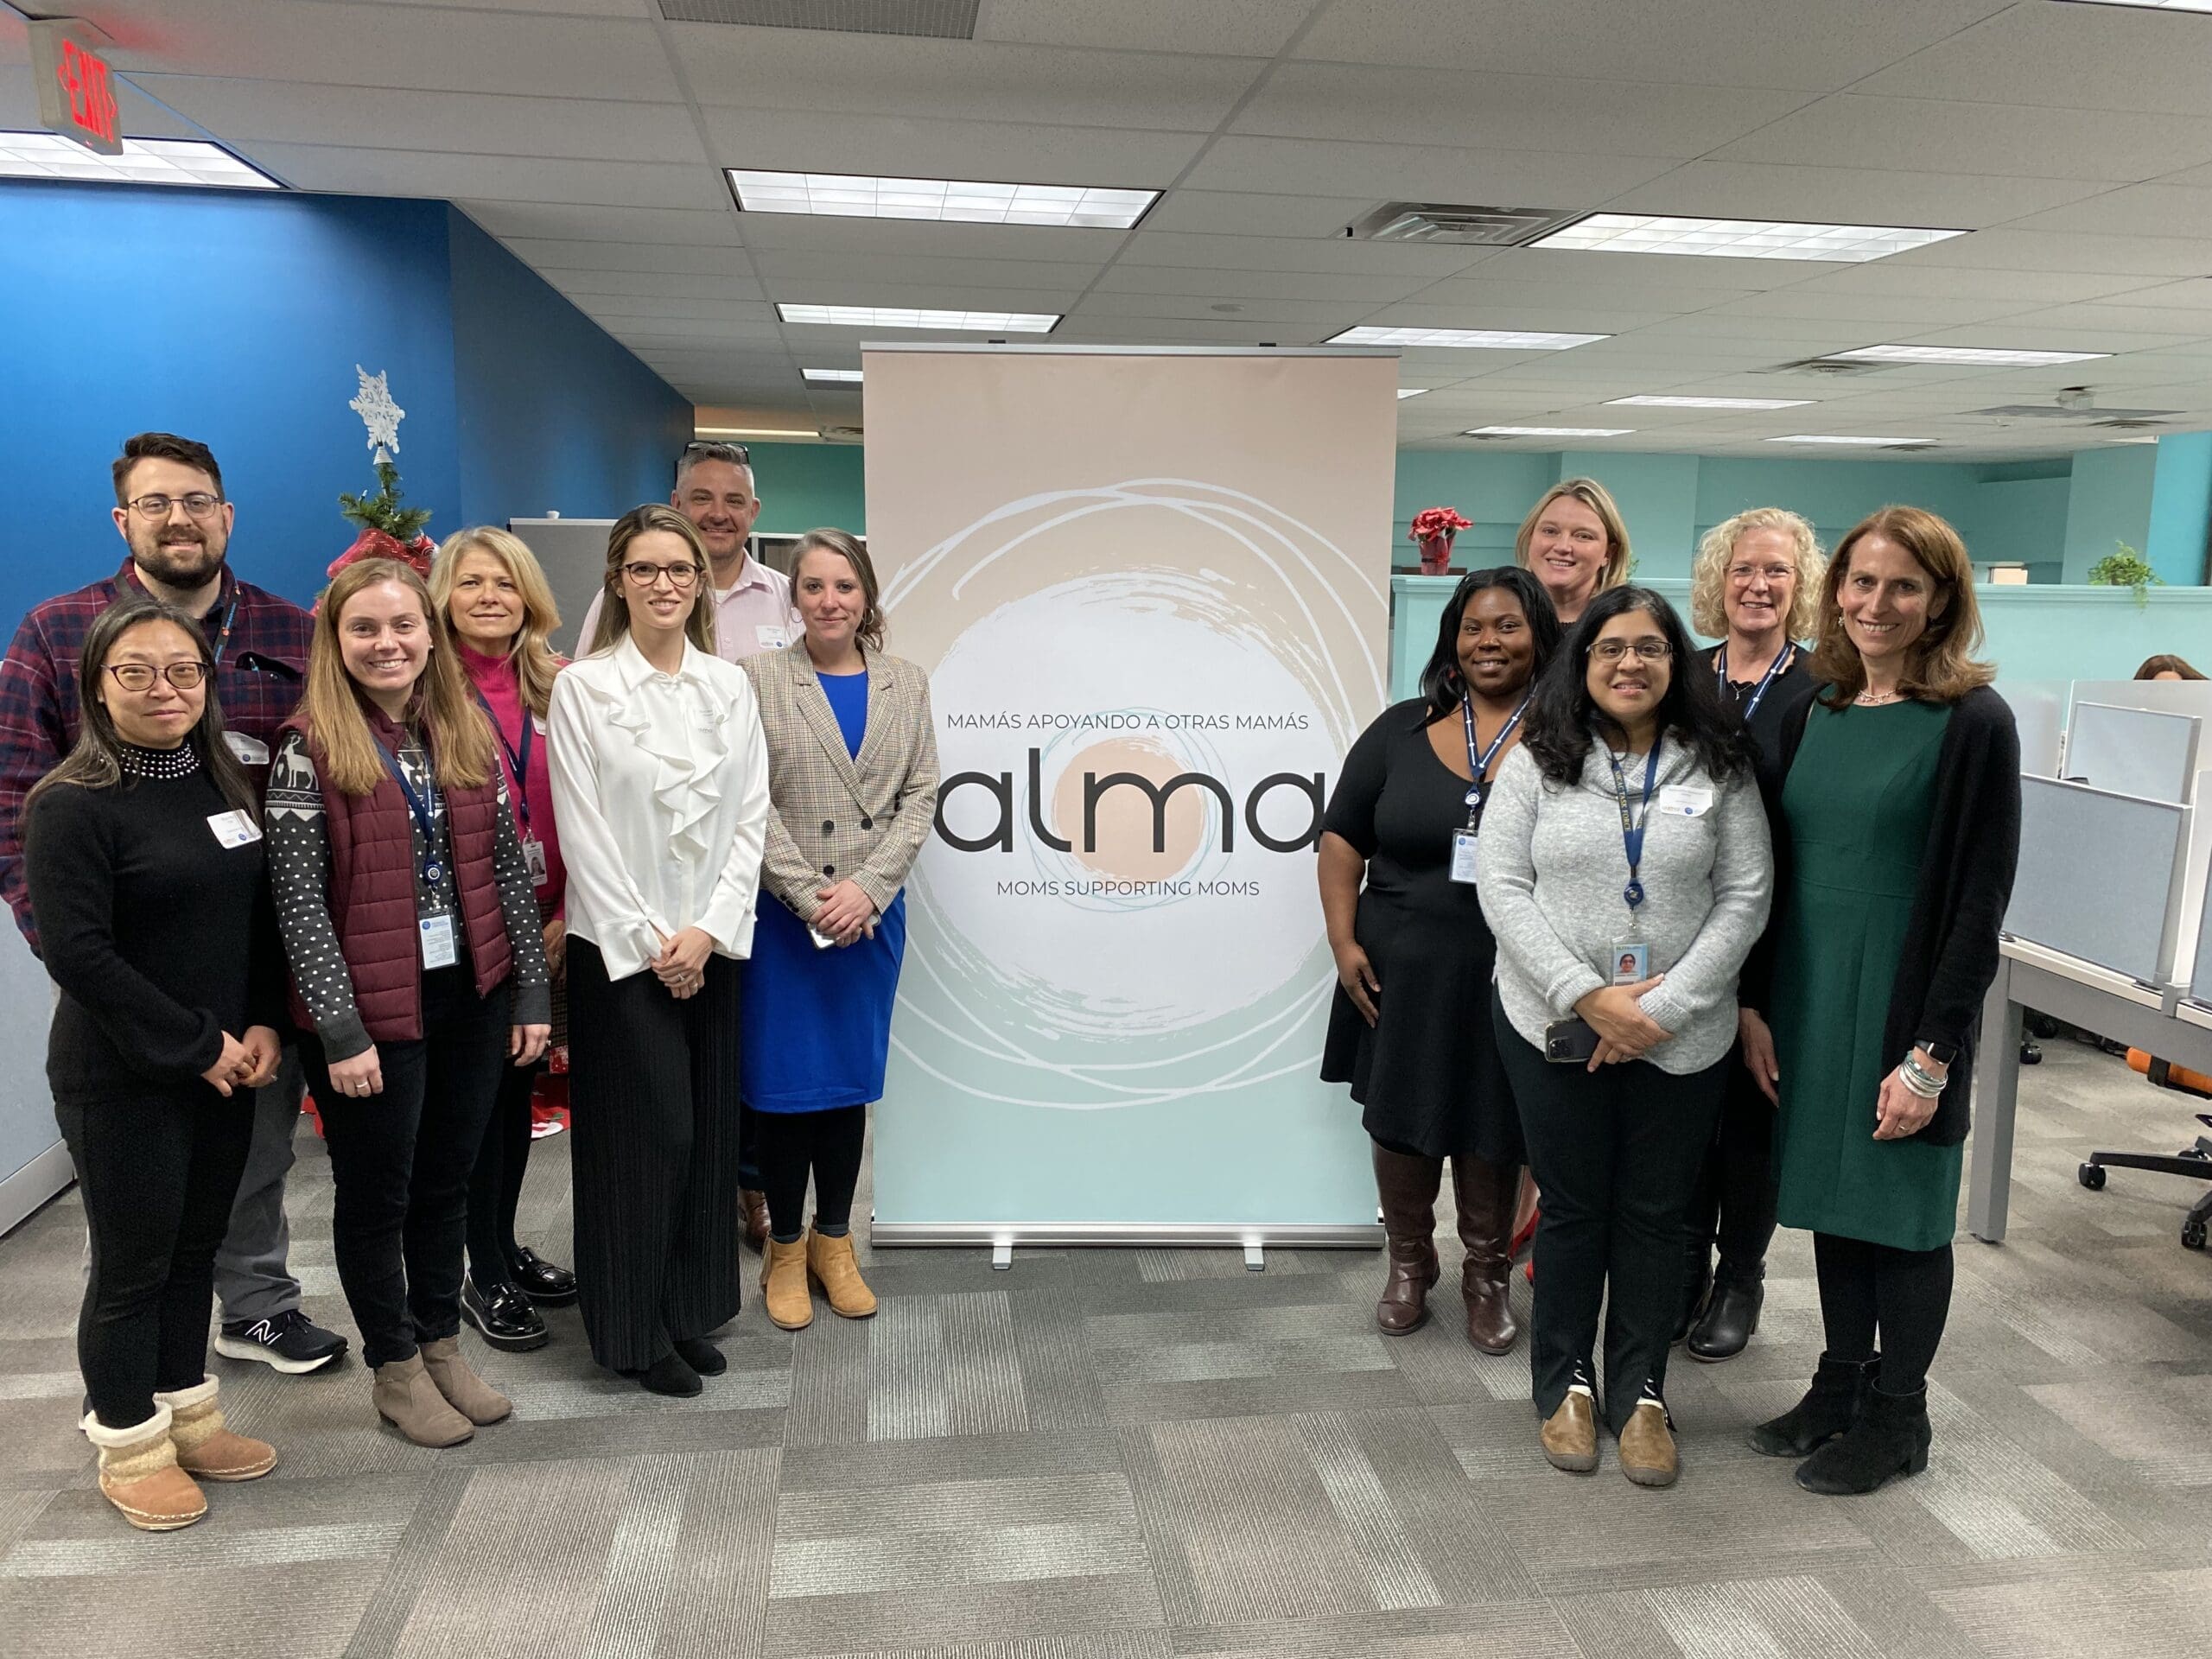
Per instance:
x=1625, y=870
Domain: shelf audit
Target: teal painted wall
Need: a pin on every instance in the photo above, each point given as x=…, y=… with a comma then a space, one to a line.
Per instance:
x=2181, y=507
x=810, y=487
x=2109, y=503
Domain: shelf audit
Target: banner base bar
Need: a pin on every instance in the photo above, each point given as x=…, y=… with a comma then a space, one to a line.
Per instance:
x=1000, y=1237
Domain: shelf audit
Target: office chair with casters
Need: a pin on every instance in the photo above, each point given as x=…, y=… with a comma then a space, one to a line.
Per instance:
x=2193, y=1161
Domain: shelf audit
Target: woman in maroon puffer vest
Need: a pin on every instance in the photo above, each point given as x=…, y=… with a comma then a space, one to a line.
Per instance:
x=417, y=970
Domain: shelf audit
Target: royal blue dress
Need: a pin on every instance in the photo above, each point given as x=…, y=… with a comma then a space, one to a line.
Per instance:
x=818, y=1022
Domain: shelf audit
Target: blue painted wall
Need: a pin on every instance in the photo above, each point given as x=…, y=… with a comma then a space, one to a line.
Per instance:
x=554, y=416
x=235, y=317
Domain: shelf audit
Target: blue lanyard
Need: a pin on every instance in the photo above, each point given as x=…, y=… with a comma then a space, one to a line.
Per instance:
x=223, y=633
x=519, y=761
x=1780, y=665
x=1478, y=765
x=433, y=872
x=1633, y=825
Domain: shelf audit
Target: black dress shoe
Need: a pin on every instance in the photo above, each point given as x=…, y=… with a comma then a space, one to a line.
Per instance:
x=1731, y=1316
x=701, y=1355
x=502, y=1315
x=540, y=1280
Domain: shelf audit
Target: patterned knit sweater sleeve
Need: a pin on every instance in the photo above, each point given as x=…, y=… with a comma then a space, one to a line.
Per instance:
x=299, y=881
x=533, y=979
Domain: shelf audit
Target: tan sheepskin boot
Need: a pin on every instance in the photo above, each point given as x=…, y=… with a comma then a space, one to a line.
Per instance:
x=140, y=1477
x=831, y=1263
x=206, y=1447
x=783, y=1285
x=469, y=1393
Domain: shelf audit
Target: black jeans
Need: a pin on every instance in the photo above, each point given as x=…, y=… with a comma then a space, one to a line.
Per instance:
x=1735, y=1192
x=401, y=1159
x=1902, y=1297
x=157, y=1172
x=1616, y=1153
x=828, y=1145
x=495, y=1184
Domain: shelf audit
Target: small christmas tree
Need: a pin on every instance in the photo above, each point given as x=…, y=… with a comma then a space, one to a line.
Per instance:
x=389, y=530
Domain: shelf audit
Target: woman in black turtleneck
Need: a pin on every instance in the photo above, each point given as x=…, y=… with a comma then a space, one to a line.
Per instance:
x=145, y=861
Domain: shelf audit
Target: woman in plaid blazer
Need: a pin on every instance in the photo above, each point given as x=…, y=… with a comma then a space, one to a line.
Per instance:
x=852, y=780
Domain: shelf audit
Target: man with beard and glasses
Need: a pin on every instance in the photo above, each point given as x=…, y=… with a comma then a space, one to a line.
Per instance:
x=170, y=510
x=753, y=614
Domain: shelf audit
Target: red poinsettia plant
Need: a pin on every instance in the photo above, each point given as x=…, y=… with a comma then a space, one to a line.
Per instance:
x=1434, y=529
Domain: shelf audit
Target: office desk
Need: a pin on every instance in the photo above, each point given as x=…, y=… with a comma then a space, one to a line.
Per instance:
x=2082, y=994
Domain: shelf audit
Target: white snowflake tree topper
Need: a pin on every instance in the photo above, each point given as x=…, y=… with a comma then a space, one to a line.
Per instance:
x=378, y=413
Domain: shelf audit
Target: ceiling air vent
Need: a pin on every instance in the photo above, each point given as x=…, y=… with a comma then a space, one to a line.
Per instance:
x=1824, y=366
x=949, y=20
x=2129, y=420
x=1445, y=222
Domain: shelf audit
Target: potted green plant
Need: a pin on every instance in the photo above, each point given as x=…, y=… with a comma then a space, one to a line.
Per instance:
x=2126, y=568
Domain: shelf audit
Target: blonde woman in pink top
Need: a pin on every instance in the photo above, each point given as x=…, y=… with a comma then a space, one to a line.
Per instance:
x=492, y=596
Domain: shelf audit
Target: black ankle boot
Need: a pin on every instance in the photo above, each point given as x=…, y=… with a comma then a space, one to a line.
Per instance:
x=1891, y=1437
x=1697, y=1286
x=1829, y=1407
x=669, y=1375
x=1731, y=1317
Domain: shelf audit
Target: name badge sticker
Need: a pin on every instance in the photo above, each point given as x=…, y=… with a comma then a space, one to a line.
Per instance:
x=771, y=637
x=1463, y=855
x=233, y=828
x=439, y=946
x=250, y=751
x=1684, y=801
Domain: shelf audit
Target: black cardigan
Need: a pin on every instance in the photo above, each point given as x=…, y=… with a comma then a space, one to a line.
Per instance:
x=1966, y=882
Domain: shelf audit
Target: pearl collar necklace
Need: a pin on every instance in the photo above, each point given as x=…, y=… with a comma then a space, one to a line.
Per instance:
x=167, y=765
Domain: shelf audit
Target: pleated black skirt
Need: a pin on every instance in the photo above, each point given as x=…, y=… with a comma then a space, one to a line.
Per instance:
x=653, y=1091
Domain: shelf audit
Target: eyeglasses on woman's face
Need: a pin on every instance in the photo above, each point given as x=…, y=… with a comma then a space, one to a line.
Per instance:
x=644, y=573
x=140, y=677
x=1652, y=649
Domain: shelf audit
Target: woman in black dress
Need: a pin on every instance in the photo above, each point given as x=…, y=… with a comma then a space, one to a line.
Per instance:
x=1413, y=954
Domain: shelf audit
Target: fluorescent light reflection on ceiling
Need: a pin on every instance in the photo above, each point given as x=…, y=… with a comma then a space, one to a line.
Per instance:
x=833, y=377
x=1495, y=340
x=1405, y=393
x=1848, y=442
x=968, y=201
x=144, y=161
x=893, y=316
x=1707, y=403
x=1973, y=356
x=1739, y=239
x=1548, y=431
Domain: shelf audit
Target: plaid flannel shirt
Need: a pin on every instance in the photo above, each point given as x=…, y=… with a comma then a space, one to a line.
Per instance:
x=260, y=643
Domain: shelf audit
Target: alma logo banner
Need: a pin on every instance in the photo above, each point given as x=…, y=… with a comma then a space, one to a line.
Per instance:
x=1150, y=591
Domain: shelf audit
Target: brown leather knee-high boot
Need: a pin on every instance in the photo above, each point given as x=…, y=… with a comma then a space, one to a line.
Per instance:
x=1407, y=1185
x=1486, y=1194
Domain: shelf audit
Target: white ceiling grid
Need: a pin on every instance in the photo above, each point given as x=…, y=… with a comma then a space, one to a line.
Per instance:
x=2073, y=140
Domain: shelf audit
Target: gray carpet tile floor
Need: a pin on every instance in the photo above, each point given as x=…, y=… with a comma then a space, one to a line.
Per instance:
x=1133, y=1454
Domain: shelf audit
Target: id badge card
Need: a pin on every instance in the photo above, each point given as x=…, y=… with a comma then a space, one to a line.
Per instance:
x=249, y=751
x=770, y=637
x=1683, y=801
x=233, y=828
x=533, y=858
x=1463, y=855
x=439, y=946
x=1630, y=963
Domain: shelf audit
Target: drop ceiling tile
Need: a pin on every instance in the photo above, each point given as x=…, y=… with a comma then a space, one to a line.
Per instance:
x=684, y=285
x=2047, y=338
x=1914, y=134
x=571, y=221
x=2132, y=210
x=1373, y=104
x=1343, y=256
x=1175, y=331
x=1256, y=28
x=2081, y=57
x=1714, y=43
x=2164, y=321
x=788, y=269
x=489, y=178
x=860, y=287
x=948, y=149
x=1421, y=172
x=824, y=74
x=385, y=118
x=1908, y=277
x=1478, y=289
x=1550, y=267
x=2196, y=294
x=2009, y=249
x=753, y=312
x=431, y=49
x=1418, y=313
x=1327, y=316
x=138, y=115
x=867, y=240
x=1256, y=285
x=1235, y=213
x=1883, y=310
x=1848, y=195
x=673, y=257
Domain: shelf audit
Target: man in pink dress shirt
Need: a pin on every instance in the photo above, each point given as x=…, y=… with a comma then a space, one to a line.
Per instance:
x=753, y=612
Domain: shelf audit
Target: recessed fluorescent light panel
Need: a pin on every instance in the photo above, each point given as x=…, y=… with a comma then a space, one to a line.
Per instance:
x=833, y=377
x=1848, y=442
x=1974, y=356
x=966, y=202
x=1548, y=431
x=1707, y=403
x=1494, y=340
x=1739, y=239
x=1405, y=393
x=2157, y=5
x=144, y=161
x=893, y=317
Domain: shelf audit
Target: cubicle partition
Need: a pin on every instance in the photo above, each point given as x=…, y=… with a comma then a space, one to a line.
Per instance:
x=573, y=552
x=2121, y=915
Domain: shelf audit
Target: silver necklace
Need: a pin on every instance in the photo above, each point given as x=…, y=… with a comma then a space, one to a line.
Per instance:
x=1878, y=699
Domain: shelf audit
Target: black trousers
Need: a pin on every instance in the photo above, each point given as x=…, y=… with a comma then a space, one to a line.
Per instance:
x=652, y=1089
x=1874, y=1293
x=827, y=1145
x=157, y=1172
x=1736, y=1191
x=1616, y=1153
x=495, y=1184
x=401, y=1159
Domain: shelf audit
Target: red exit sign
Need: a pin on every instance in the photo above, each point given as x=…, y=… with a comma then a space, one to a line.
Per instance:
x=76, y=91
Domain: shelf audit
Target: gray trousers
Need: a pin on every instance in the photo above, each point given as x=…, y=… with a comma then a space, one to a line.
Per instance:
x=252, y=1280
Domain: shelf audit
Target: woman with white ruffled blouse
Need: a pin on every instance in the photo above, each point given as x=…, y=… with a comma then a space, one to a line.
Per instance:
x=660, y=789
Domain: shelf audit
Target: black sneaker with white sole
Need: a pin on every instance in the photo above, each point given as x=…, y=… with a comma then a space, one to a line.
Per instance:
x=290, y=1341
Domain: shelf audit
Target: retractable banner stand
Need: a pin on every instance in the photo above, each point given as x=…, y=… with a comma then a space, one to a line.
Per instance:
x=1150, y=591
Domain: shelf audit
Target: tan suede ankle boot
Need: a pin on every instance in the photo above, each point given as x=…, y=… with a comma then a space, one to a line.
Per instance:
x=205, y=1445
x=407, y=1400
x=783, y=1285
x=831, y=1264
x=469, y=1393
x=139, y=1474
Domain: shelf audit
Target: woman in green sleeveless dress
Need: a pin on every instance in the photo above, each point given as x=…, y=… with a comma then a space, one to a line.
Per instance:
x=1896, y=835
